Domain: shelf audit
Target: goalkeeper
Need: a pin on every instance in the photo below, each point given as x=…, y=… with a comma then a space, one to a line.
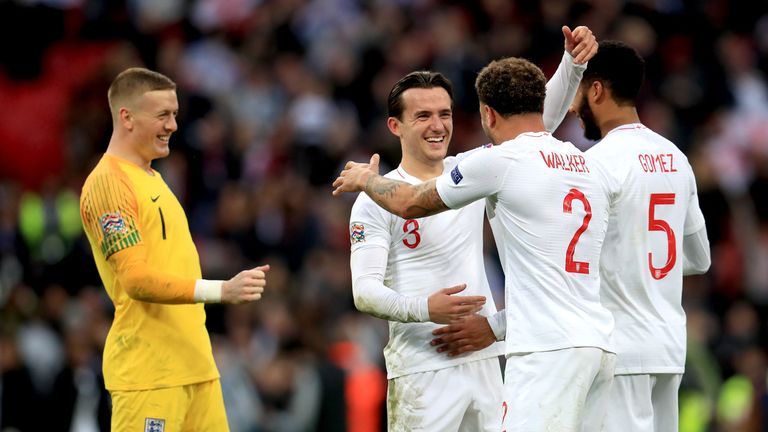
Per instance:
x=158, y=363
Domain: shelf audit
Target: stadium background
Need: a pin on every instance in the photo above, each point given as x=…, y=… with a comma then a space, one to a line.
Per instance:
x=275, y=95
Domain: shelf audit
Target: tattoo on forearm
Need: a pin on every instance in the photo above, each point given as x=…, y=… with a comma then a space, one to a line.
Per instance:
x=378, y=186
x=383, y=191
x=422, y=199
x=428, y=200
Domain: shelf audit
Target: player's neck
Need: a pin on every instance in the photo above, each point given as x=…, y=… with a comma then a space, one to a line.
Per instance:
x=422, y=170
x=514, y=125
x=618, y=116
x=122, y=150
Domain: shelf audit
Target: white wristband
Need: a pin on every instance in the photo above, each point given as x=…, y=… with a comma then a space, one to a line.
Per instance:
x=208, y=291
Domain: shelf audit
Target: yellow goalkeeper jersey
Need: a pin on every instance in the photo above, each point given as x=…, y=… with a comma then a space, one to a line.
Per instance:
x=150, y=345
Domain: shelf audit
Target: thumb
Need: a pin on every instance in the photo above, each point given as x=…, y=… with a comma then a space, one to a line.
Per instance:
x=375, y=162
x=264, y=268
x=568, y=35
x=454, y=289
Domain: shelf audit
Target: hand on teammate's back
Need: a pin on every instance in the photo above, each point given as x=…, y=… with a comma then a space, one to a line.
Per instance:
x=471, y=333
x=246, y=286
x=445, y=307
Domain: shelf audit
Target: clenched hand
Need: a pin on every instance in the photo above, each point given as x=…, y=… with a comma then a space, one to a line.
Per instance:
x=246, y=286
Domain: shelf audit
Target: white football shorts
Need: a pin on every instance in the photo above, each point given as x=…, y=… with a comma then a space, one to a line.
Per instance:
x=561, y=390
x=644, y=403
x=465, y=398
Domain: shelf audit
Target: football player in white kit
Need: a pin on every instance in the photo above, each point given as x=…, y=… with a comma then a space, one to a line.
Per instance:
x=656, y=234
x=401, y=266
x=549, y=214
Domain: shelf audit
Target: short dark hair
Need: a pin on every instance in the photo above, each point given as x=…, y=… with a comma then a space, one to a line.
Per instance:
x=619, y=67
x=134, y=82
x=512, y=86
x=416, y=79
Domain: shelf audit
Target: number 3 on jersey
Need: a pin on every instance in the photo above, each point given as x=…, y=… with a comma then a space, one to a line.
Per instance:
x=572, y=266
x=412, y=238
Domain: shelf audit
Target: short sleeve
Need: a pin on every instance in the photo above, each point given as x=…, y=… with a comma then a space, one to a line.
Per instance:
x=109, y=211
x=476, y=176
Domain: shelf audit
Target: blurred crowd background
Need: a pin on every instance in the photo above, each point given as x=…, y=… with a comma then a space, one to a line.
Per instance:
x=275, y=96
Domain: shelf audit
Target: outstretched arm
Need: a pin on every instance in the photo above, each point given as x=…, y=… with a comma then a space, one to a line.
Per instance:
x=580, y=46
x=144, y=283
x=125, y=252
x=400, y=198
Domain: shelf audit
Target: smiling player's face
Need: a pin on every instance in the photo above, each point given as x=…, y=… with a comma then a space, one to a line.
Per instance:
x=154, y=120
x=426, y=125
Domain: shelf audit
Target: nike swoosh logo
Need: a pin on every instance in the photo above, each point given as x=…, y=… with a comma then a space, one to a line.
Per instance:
x=154, y=198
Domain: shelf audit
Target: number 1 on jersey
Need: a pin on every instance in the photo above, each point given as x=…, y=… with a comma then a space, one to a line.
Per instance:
x=162, y=220
x=572, y=266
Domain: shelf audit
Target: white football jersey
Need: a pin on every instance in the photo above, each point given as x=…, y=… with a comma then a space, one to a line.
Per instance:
x=549, y=214
x=654, y=204
x=425, y=255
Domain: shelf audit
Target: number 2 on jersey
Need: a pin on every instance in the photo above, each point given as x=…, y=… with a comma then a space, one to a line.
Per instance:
x=572, y=266
x=661, y=225
x=413, y=238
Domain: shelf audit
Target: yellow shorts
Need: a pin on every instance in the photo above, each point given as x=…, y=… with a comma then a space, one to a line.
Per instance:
x=194, y=407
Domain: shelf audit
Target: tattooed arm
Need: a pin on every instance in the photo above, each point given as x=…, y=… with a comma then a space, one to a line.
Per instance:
x=403, y=199
x=400, y=198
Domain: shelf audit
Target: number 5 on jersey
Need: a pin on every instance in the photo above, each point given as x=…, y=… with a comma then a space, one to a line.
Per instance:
x=662, y=225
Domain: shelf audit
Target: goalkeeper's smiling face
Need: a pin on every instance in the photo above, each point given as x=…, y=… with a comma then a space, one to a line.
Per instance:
x=154, y=120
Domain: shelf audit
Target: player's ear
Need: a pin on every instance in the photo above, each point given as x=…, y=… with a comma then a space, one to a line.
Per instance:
x=489, y=114
x=598, y=91
x=126, y=118
x=393, y=124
